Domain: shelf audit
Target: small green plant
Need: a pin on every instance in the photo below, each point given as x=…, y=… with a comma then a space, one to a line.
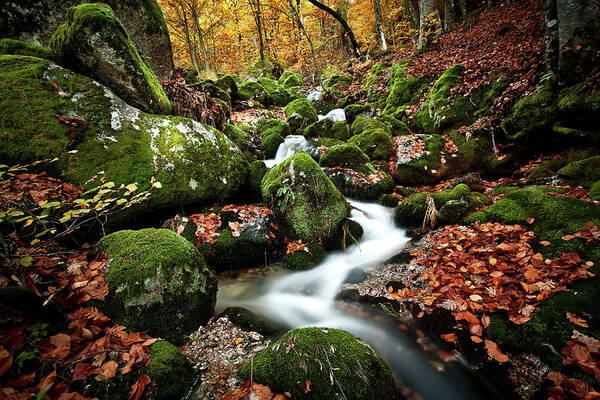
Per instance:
x=37, y=332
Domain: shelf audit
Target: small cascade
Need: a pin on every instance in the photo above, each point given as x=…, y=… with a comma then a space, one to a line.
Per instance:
x=315, y=95
x=292, y=145
x=334, y=115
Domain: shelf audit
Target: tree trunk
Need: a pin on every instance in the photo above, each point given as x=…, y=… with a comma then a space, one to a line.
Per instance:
x=551, y=41
x=258, y=20
x=344, y=24
x=448, y=15
x=379, y=23
x=463, y=8
x=413, y=16
x=426, y=8
x=188, y=40
x=298, y=17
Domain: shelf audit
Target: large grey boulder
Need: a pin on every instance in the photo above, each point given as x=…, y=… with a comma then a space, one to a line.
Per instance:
x=35, y=21
x=94, y=41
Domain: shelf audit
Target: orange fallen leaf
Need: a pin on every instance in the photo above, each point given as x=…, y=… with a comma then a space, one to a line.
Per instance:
x=476, y=339
x=449, y=337
x=495, y=352
x=239, y=340
x=574, y=319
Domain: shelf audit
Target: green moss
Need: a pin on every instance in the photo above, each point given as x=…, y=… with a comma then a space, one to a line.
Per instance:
x=290, y=79
x=439, y=111
x=252, y=90
x=276, y=94
x=549, y=329
x=242, y=139
x=452, y=205
x=256, y=172
x=322, y=128
x=300, y=114
x=247, y=320
x=583, y=172
x=376, y=143
x=354, y=111
x=376, y=72
x=403, y=90
x=595, y=191
x=361, y=125
x=346, y=155
x=339, y=81
x=420, y=171
x=305, y=259
x=388, y=200
x=158, y=283
x=319, y=355
x=304, y=199
x=323, y=141
x=16, y=47
x=120, y=67
x=396, y=127
x=340, y=131
x=228, y=83
x=267, y=127
x=170, y=372
x=532, y=115
x=270, y=144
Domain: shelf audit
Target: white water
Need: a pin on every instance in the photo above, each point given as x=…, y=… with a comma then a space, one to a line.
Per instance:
x=291, y=145
x=307, y=298
x=335, y=115
x=315, y=95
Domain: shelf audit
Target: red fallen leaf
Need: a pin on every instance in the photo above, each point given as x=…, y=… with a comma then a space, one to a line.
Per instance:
x=47, y=382
x=308, y=383
x=530, y=220
x=476, y=339
x=62, y=347
x=494, y=351
x=137, y=389
x=82, y=371
x=449, y=337
x=577, y=320
x=545, y=243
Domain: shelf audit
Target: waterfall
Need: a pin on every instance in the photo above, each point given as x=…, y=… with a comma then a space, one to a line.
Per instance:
x=291, y=145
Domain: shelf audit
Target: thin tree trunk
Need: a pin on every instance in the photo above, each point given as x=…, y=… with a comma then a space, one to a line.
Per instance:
x=379, y=23
x=298, y=16
x=463, y=8
x=413, y=15
x=426, y=8
x=448, y=15
x=344, y=24
x=551, y=44
x=188, y=39
x=255, y=5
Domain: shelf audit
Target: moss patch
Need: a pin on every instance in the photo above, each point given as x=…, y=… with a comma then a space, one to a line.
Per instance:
x=317, y=354
x=304, y=199
x=158, y=283
x=290, y=79
x=376, y=143
x=300, y=113
x=345, y=155
x=584, y=172
x=18, y=48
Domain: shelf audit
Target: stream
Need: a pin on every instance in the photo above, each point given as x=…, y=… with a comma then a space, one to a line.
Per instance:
x=308, y=298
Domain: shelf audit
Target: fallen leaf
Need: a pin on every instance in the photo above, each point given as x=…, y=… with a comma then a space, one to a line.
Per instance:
x=494, y=351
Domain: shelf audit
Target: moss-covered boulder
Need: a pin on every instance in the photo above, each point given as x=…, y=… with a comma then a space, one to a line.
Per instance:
x=397, y=128
x=322, y=128
x=452, y=206
x=354, y=111
x=19, y=48
x=242, y=139
x=404, y=90
x=228, y=83
x=376, y=143
x=339, y=81
x=439, y=111
x=158, y=282
x=267, y=127
x=362, y=124
x=303, y=199
x=345, y=155
x=300, y=114
x=252, y=90
x=36, y=22
x=256, y=173
x=531, y=114
x=193, y=162
x=276, y=95
x=290, y=79
x=96, y=43
x=584, y=172
x=334, y=361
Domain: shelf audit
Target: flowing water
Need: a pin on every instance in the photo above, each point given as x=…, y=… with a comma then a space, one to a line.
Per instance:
x=292, y=145
x=307, y=298
x=334, y=115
